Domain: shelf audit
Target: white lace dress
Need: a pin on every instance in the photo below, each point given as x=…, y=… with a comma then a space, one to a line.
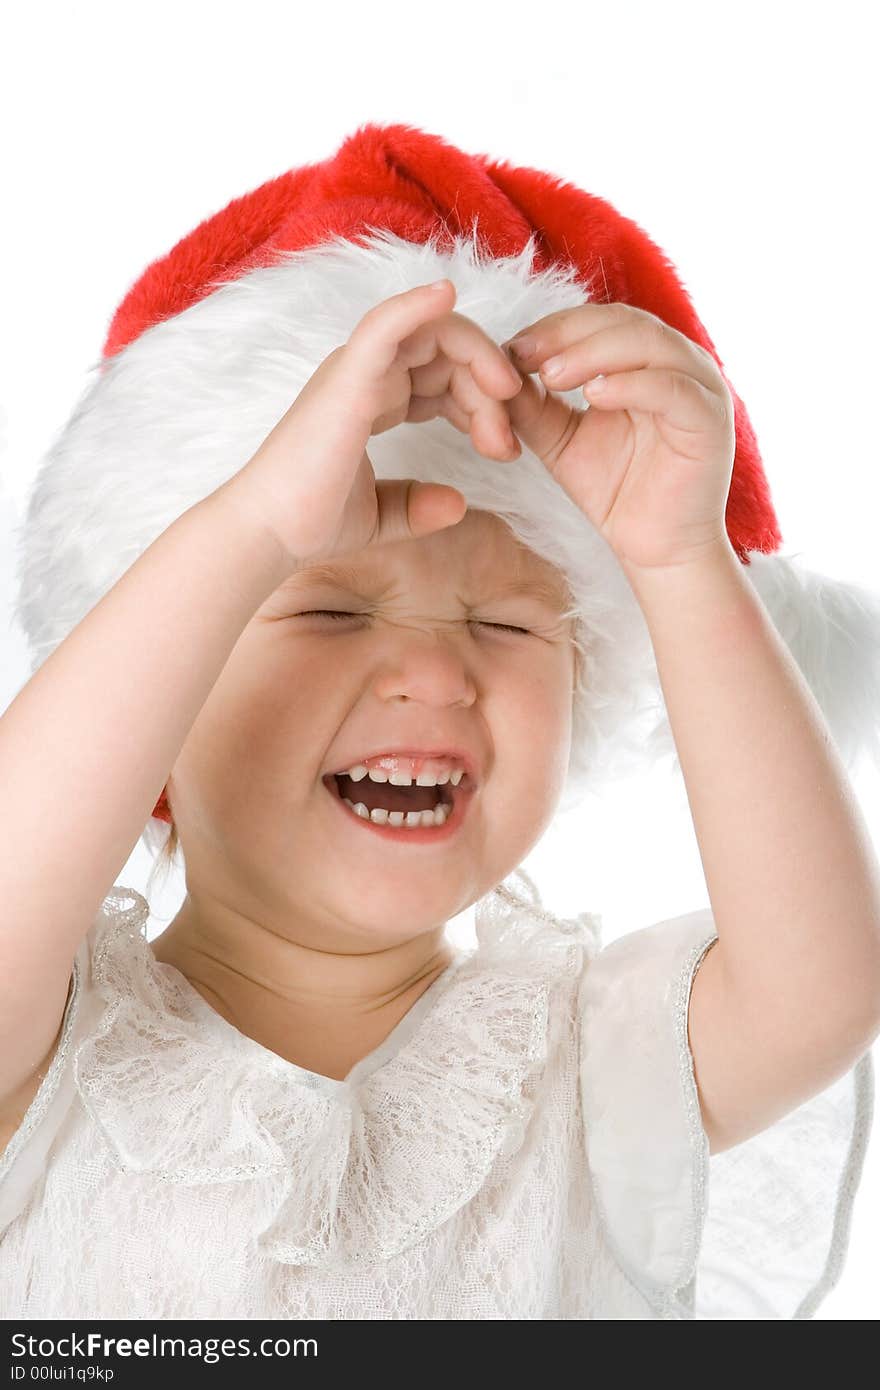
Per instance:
x=526, y=1144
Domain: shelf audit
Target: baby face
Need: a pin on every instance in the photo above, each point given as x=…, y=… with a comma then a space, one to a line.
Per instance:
x=427, y=657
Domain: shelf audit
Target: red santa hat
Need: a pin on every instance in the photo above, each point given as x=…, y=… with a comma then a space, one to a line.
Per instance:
x=215, y=339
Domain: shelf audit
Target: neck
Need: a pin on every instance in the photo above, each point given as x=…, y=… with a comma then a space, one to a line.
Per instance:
x=286, y=988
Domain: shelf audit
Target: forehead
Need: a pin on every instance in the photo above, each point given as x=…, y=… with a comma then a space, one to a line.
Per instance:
x=480, y=553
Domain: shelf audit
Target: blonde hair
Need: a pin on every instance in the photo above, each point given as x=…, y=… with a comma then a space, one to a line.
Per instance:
x=165, y=860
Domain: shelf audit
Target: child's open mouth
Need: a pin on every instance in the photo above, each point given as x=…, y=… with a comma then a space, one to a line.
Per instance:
x=415, y=814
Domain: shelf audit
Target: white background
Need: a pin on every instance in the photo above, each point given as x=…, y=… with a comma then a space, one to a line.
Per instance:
x=742, y=138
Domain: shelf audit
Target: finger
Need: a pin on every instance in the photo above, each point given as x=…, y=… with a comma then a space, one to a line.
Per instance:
x=489, y=421
x=422, y=408
x=432, y=350
x=375, y=341
x=491, y=434
x=622, y=335
x=543, y=421
x=458, y=397
x=622, y=347
x=433, y=506
x=408, y=509
x=552, y=333
x=465, y=403
x=685, y=402
x=489, y=428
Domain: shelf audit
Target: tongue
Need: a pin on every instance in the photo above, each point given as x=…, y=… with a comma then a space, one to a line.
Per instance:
x=375, y=794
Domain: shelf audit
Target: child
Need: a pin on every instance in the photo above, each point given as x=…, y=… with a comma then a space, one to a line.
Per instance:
x=364, y=683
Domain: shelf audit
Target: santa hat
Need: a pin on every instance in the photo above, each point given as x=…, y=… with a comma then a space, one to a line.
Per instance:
x=215, y=339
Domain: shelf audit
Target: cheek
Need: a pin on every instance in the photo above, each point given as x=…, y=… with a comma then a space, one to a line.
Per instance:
x=293, y=686
x=534, y=723
x=262, y=732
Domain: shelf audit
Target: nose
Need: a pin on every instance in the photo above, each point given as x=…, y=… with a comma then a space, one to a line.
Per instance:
x=426, y=667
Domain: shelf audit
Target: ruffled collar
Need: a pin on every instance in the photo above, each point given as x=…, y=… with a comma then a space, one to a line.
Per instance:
x=354, y=1171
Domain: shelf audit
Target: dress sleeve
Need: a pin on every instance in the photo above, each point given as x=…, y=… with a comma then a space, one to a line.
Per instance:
x=22, y=1164
x=756, y=1231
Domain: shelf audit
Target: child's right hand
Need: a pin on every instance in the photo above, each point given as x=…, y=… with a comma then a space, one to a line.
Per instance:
x=410, y=358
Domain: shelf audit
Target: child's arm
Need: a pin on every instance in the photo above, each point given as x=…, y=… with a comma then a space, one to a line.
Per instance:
x=788, y=998
x=87, y=744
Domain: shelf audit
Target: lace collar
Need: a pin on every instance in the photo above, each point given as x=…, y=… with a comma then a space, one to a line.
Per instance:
x=354, y=1170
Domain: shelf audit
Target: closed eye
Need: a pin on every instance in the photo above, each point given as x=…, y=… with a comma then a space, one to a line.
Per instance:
x=328, y=613
x=332, y=613
x=504, y=627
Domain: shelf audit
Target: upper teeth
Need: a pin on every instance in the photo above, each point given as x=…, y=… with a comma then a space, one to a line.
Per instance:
x=404, y=779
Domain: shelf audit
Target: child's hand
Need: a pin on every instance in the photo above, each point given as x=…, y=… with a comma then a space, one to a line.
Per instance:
x=650, y=462
x=311, y=482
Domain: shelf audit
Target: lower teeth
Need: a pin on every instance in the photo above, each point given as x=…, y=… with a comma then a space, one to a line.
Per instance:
x=411, y=819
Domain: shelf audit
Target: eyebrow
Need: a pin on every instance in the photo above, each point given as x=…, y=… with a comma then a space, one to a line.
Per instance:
x=351, y=578
x=530, y=588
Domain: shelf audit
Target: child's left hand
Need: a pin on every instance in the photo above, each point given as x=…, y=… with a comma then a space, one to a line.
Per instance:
x=650, y=462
